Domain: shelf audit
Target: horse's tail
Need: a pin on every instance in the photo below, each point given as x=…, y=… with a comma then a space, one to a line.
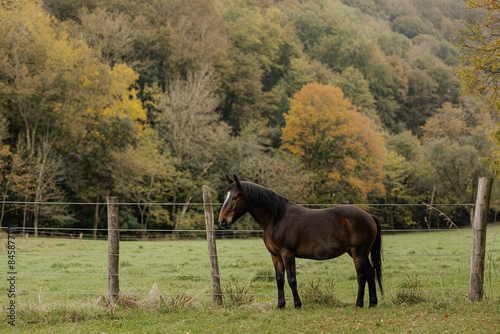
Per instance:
x=376, y=255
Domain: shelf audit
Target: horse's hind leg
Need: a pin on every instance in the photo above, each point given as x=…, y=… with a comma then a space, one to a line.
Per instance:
x=365, y=274
x=372, y=290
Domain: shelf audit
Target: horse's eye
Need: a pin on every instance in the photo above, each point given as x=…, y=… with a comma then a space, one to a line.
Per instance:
x=235, y=198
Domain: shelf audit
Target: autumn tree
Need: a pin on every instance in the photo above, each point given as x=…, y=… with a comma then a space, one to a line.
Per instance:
x=54, y=88
x=336, y=142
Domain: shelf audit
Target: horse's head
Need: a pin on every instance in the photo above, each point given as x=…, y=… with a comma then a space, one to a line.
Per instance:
x=235, y=204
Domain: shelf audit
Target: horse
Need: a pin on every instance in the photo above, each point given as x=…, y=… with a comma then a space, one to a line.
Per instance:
x=292, y=231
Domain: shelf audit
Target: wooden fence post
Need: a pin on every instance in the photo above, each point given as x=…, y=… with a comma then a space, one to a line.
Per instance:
x=479, y=239
x=113, y=249
x=212, y=247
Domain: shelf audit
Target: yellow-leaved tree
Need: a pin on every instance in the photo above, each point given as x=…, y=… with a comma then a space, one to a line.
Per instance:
x=336, y=142
x=66, y=110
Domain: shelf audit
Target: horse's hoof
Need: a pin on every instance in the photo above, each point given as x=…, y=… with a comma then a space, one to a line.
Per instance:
x=373, y=305
x=281, y=306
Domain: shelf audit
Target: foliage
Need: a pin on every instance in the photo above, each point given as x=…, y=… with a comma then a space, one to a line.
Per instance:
x=454, y=141
x=145, y=174
x=335, y=142
x=407, y=180
x=480, y=61
x=148, y=100
x=480, y=52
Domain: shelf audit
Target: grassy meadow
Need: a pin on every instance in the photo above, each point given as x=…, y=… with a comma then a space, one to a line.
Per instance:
x=165, y=286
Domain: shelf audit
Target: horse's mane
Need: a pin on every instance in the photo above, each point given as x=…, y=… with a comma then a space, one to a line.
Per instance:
x=265, y=198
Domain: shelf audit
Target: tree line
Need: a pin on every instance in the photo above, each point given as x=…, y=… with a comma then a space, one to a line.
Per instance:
x=353, y=101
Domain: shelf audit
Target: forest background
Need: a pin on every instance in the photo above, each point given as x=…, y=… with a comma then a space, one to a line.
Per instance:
x=324, y=101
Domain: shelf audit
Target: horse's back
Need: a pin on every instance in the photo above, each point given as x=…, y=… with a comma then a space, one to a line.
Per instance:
x=328, y=233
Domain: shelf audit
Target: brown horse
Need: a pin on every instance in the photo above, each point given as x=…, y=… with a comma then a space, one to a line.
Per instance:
x=292, y=231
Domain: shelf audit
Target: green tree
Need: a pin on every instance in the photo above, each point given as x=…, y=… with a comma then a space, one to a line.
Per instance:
x=351, y=44
x=420, y=103
x=303, y=71
x=455, y=139
x=480, y=57
x=336, y=142
x=480, y=60
x=144, y=174
x=411, y=26
x=266, y=35
x=263, y=46
x=357, y=90
x=408, y=180
x=309, y=23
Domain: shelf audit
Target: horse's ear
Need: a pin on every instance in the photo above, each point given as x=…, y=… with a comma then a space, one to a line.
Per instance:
x=228, y=179
x=238, y=184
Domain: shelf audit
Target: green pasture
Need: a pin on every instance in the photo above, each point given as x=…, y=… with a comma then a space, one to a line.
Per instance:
x=61, y=286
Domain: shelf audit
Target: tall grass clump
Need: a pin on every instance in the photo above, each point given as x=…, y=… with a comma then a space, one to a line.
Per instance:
x=237, y=292
x=410, y=293
x=179, y=302
x=319, y=292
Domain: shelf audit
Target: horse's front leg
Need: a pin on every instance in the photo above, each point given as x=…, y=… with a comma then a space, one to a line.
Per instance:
x=291, y=272
x=279, y=269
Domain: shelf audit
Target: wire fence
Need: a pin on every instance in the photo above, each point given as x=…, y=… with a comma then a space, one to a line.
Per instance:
x=81, y=230
x=67, y=264
x=52, y=270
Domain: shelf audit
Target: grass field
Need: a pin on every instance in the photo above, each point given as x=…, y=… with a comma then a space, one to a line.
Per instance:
x=61, y=286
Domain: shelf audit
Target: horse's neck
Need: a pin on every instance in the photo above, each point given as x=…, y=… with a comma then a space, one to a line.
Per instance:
x=262, y=216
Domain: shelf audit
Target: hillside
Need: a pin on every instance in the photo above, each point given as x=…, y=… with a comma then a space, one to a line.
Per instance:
x=148, y=100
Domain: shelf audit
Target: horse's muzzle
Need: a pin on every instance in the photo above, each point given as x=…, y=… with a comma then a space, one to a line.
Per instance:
x=224, y=223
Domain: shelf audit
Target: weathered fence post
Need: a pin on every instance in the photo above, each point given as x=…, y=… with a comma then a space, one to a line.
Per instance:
x=479, y=238
x=212, y=247
x=113, y=249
